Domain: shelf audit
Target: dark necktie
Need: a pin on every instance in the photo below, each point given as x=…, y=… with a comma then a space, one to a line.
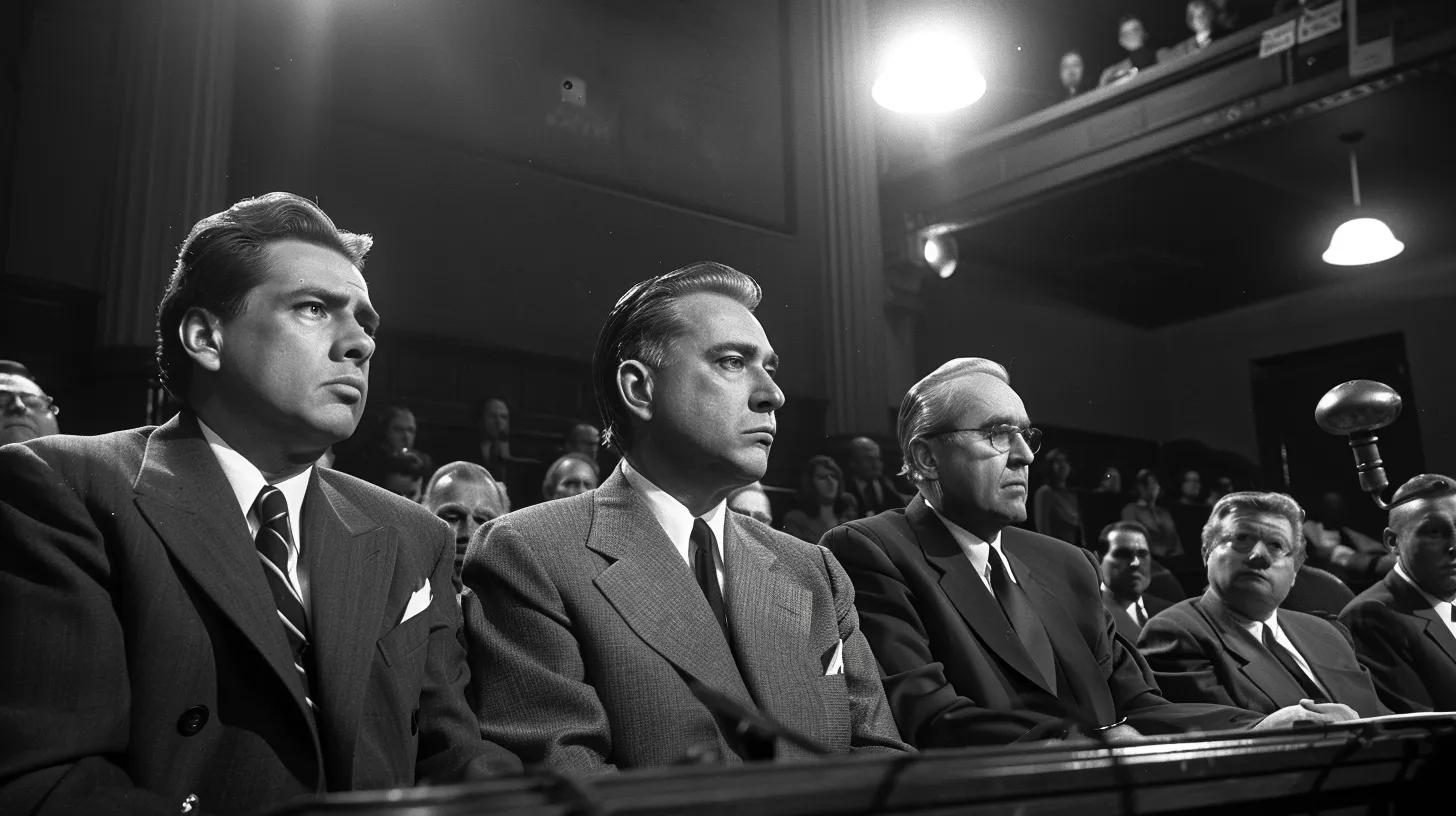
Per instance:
x=705, y=571
x=274, y=541
x=1311, y=689
x=1142, y=615
x=1023, y=618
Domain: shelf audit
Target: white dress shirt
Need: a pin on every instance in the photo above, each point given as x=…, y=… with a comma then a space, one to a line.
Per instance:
x=247, y=481
x=976, y=550
x=1443, y=608
x=1256, y=628
x=677, y=521
x=1135, y=607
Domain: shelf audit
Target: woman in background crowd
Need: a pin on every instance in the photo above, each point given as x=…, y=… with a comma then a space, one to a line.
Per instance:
x=822, y=501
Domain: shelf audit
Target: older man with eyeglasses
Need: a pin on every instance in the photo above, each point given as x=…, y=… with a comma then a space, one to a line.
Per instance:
x=987, y=633
x=26, y=411
x=1234, y=645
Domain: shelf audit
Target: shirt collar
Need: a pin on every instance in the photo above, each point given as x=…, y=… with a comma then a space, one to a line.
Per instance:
x=246, y=480
x=672, y=515
x=1443, y=608
x=1255, y=627
x=974, y=547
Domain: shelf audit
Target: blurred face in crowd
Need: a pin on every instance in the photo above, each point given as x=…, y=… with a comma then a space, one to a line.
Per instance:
x=752, y=503
x=403, y=484
x=1191, y=485
x=982, y=479
x=1252, y=562
x=1071, y=70
x=1127, y=567
x=1060, y=468
x=400, y=432
x=25, y=410
x=864, y=459
x=291, y=371
x=573, y=478
x=1131, y=35
x=464, y=504
x=1199, y=16
x=710, y=415
x=584, y=439
x=495, y=420
x=826, y=484
x=1422, y=534
x=1148, y=489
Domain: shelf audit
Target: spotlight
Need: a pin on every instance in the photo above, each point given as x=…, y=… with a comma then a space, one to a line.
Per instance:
x=940, y=254
x=928, y=73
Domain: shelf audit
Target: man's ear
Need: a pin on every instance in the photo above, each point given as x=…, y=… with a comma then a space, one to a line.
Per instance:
x=1388, y=538
x=201, y=335
x=922, y=456
x=635, y=386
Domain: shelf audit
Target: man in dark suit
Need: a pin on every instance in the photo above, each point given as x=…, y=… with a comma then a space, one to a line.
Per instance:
x=1404, y=625
x=1127, y=574
x=987, y=633
x=618, y=607
x=193, y=615
x=1234, y=645
x=872, y=490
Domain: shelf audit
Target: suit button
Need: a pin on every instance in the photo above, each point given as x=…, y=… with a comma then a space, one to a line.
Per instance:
x=414, y=722
x=189, y=803
x=192, y=720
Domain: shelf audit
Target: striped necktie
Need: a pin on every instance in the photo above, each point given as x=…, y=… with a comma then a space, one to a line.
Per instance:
x=274, y=541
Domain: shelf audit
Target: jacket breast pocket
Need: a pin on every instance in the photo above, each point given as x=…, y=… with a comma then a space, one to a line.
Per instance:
x=404, y=641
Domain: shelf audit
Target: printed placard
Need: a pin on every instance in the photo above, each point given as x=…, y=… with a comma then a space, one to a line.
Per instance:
x=1276, y=39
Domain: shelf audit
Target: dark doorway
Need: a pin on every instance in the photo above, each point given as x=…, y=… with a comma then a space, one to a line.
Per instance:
x=1304, y=461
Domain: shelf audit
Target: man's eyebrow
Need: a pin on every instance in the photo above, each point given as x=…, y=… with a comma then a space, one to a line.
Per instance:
x=335, y=301
x=746, y=349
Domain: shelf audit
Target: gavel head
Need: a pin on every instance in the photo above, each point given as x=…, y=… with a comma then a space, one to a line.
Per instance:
x=1357, y=409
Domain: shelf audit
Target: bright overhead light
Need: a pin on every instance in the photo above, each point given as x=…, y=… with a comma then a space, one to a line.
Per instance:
x=1361, y=241
x=940, y=254
x=928, y=73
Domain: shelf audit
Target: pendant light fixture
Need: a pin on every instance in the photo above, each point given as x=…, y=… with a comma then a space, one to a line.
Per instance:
x=1360, y=241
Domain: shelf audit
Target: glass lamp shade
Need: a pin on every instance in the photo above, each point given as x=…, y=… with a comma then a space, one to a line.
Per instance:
x=1362, y=241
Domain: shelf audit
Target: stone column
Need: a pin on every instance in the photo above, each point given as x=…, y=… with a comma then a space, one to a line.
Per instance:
x=176, y=60
x=855, y=279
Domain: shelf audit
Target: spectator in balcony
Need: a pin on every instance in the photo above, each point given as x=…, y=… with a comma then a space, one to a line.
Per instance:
x=822, y=502
x=1055, y=504
x=1133, y=38
x=1072, y=72
x=1199, y=15
x=26, y=411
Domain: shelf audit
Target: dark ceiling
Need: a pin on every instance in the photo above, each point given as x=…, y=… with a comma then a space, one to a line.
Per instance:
x=1239, y=222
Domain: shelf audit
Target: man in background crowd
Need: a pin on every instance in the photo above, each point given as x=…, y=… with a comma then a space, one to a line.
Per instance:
x=26, y=411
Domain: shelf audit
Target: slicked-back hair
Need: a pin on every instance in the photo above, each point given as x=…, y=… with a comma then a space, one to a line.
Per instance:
x=1252, y=501
x=1104, y=538
x=927, y=406
x=221, y=261
x=1422, y=486
x=643, y=325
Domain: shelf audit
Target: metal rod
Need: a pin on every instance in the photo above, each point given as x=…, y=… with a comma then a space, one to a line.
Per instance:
x=1354, y=176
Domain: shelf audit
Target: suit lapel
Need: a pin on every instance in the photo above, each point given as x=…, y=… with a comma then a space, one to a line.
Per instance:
x=766, y=612
x=350, y=560
x=182, y=492
x=1067, y=642
x=968, y=593
x=1260, y=668
x=651, y=587
x=1414, y=603
x=1126, y=626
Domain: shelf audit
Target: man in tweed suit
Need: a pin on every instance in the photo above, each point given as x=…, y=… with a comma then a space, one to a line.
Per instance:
x=592, y=619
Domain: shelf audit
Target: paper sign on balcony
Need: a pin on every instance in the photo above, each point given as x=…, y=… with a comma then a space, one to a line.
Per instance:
x=1276, y=39
x=1318, y=22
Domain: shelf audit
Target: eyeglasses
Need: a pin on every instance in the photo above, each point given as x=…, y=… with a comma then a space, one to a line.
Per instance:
x=38, y=403
x=1000, y=436
x=1244, y=544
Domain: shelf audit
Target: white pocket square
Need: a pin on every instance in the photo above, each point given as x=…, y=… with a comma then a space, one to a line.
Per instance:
x=418, y=602
x=836, y=663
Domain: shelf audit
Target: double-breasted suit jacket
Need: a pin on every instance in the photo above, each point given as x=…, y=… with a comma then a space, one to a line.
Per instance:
x=585, y=626
x=1200, y=653
x=955, y=673
x=1409, y=650
x=142, y=659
